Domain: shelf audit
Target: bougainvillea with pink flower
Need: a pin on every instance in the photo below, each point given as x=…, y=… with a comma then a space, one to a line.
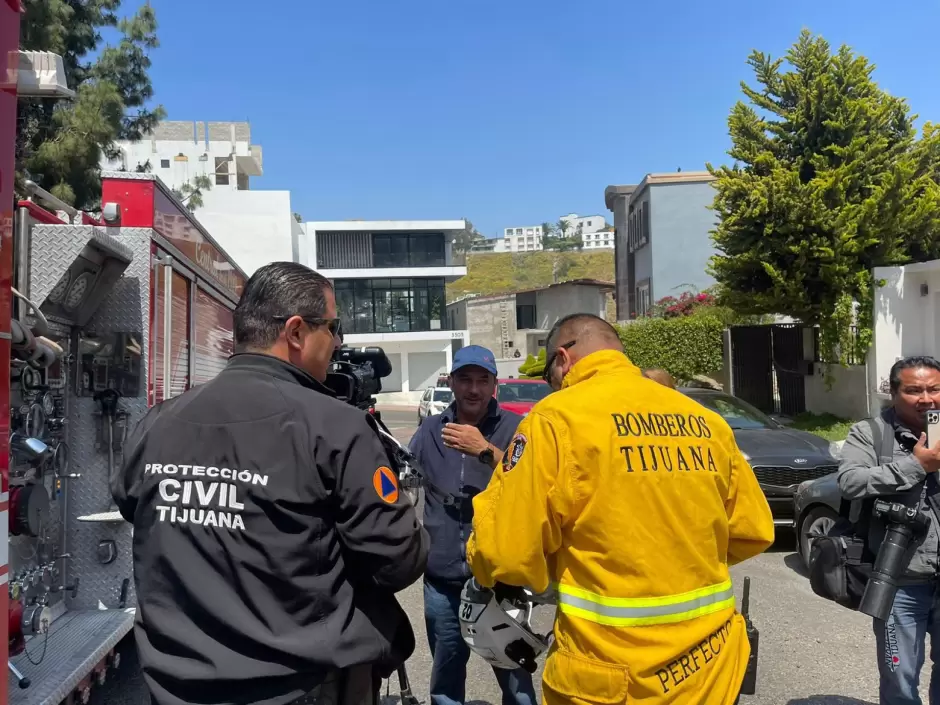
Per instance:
x=685, y=305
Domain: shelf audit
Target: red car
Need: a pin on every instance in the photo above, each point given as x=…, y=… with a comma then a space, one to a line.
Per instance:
x=520, y=395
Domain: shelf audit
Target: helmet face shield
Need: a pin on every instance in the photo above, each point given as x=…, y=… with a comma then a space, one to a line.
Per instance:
x=500, y=630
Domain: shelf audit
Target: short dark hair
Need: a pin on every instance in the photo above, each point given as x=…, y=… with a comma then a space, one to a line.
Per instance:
x=910, y=363
x=582, y=323
x=275, y=290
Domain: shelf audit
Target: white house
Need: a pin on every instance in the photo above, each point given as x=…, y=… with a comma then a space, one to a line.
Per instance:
x=389, y=277
x=906, y=321
x=254, y=226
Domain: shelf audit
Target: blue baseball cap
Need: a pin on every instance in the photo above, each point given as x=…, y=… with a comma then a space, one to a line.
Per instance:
x=475, y=355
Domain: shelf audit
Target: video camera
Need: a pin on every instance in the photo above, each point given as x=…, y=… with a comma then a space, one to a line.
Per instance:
x=356, y=373
x=904, y=524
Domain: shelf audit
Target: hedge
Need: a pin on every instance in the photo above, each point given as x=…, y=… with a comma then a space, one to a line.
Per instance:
x=532, y=368
x=684, y=347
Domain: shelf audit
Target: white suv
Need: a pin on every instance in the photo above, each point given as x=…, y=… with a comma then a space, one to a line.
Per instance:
x=434, y=401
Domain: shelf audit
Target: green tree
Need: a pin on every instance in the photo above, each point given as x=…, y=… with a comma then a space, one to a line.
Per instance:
x=190, y=193
x=829, y=180
x=60, y=144
x=467, y=238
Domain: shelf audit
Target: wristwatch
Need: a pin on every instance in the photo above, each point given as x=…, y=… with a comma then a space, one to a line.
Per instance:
x=487, y=456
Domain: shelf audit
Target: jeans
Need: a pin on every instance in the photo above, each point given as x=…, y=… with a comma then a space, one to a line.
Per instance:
x=450, y=653
x=901, y=645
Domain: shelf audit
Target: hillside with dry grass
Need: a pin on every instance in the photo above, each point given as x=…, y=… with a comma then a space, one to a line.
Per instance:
x=504, y=272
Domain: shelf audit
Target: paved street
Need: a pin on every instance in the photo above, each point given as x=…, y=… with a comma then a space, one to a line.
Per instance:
x=812, y=652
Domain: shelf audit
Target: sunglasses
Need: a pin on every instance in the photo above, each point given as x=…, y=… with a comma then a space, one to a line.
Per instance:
x=547, y=372
x=334, y=325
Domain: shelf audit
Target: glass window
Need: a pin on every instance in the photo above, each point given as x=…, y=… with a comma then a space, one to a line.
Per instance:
x=444, y=395
x=390, y=305
x=408, y=249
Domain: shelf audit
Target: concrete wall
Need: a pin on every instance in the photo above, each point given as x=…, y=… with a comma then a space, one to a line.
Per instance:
x=484, y=321
x=457, y=315
x=560, y=301
x=680, y=222
x=848, y=397
x=410, y=377
x=254, y=227
x=298, y=241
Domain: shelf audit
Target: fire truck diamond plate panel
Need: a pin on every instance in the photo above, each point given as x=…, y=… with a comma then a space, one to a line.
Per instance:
x=126, y=308
x=76, y=643
x=53, y=248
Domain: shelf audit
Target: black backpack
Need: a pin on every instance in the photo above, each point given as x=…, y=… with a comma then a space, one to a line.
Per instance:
x=840, y=561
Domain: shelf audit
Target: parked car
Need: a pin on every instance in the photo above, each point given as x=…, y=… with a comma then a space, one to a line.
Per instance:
x=816, y=506
x=434, y=401
x=520, y=395
x=781, y=457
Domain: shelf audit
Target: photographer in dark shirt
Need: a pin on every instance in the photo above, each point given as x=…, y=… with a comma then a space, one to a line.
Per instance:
x=270, y=537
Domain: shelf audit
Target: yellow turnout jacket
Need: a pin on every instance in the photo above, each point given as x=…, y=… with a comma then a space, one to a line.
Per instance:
x=632, y=500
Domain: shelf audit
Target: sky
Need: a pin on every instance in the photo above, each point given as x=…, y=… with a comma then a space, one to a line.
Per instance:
x=505, y=113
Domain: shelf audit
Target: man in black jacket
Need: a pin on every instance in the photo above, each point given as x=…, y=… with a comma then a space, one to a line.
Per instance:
x=269, y=533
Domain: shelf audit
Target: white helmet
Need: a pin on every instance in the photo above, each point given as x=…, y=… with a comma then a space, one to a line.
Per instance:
x=495, y=625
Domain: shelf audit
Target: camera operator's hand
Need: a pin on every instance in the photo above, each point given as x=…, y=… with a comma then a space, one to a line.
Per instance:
x=929, y=458
x=466, y=439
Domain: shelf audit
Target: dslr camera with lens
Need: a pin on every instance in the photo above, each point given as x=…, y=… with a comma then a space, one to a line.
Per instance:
x=904, y=524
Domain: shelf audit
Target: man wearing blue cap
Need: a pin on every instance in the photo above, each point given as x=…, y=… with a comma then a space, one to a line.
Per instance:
x=457, y=451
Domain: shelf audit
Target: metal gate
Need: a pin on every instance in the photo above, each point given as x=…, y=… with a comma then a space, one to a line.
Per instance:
x=766, y=367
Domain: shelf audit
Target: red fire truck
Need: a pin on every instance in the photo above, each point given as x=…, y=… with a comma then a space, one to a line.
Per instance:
x=100, y=317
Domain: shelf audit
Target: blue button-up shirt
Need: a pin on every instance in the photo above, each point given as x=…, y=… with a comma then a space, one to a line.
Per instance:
x=460, y=475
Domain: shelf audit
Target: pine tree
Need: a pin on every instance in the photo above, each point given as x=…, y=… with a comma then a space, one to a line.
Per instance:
x=60, y=143
x=829, y=181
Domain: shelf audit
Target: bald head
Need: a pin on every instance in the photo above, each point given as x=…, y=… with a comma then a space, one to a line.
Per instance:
x=592, y=333
x=659, y=375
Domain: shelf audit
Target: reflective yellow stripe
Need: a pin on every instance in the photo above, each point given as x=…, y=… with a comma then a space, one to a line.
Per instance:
x=639, y=611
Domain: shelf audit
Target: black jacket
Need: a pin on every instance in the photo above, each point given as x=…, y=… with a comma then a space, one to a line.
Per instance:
x=267, y=545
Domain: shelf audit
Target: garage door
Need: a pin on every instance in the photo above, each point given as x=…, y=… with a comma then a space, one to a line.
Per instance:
x=392, y=383
x=423, y=369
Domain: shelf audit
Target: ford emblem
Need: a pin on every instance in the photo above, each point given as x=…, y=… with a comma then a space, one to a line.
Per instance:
x=799, y=461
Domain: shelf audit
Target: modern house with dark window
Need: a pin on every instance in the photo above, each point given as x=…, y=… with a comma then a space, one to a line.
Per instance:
x=662, y=238
x=389, y=277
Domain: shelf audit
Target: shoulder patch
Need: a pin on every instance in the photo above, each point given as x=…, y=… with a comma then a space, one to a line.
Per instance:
x=385, y=483
x=515, y=452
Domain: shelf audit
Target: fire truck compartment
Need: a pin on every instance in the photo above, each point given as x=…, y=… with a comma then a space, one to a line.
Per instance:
x=108, y=321
x=75, y=645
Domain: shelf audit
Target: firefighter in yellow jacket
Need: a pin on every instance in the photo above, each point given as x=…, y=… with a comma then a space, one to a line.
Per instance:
x=631, y=500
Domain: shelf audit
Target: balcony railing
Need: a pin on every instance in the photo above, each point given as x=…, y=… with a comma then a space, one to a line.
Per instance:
x=364, y=250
